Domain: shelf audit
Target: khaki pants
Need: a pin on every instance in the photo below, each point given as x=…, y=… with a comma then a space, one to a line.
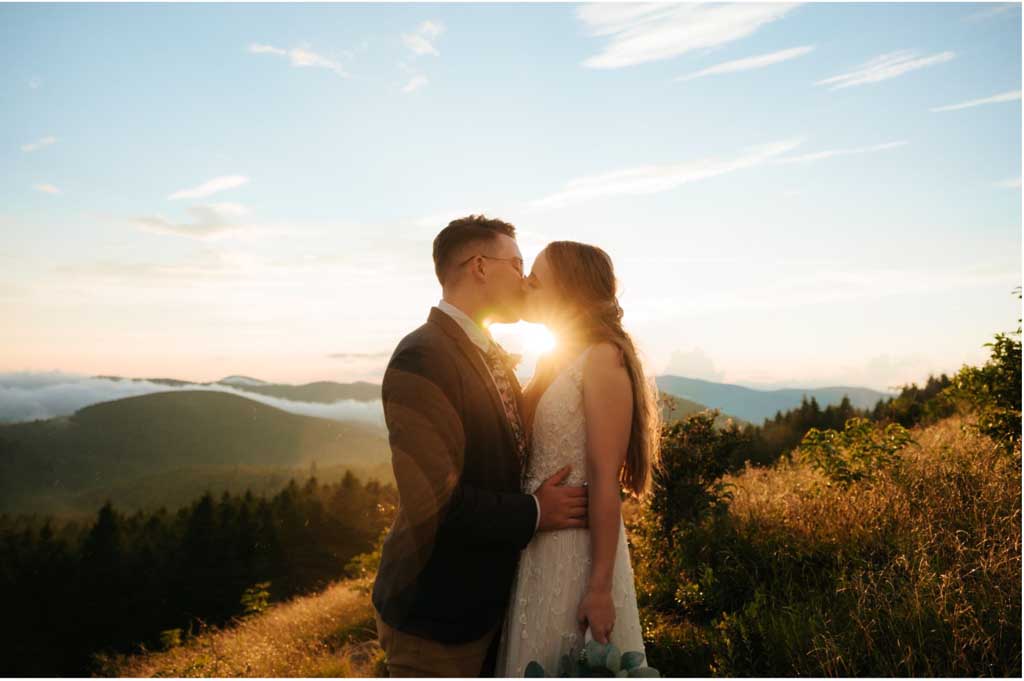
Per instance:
x=411, y=656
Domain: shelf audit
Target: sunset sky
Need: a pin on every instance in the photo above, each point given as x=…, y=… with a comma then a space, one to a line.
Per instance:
x=801, y=195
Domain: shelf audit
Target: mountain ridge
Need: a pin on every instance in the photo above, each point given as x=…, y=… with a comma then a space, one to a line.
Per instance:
x=755, y=405
x=323, y=392
x=110, y=444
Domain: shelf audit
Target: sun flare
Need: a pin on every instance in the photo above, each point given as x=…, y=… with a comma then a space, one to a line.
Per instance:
x=529, y=339
x=537, y=338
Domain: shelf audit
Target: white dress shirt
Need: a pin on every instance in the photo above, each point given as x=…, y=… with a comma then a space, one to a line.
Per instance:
x=482, y=340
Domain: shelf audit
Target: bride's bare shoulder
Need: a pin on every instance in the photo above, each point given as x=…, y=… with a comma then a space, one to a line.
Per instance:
x=604, y=356
x=606, y=384
x=605, y=367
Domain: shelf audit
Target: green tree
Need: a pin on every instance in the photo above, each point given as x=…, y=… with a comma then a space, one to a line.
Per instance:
x=856, y=452
x=994, y=390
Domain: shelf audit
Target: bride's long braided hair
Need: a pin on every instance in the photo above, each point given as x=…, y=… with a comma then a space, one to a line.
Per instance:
x=586, y=278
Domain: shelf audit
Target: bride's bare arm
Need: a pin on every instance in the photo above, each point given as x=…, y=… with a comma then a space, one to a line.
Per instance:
x=608, y=407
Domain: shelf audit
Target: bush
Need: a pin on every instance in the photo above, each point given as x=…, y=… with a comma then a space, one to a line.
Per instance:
x=686, y=487
x=856, y=453
x=912, y=570
x=687, y=484
x=365, y=565
x=255, y=599
x=994, y=390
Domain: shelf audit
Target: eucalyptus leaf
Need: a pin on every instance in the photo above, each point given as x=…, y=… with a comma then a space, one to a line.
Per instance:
x=595, y=653
x=534, y=671
x=632, y=659
x=613, y=658
x=644, y=673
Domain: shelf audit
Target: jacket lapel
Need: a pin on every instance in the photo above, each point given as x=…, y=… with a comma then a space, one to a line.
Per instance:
x=472, y=353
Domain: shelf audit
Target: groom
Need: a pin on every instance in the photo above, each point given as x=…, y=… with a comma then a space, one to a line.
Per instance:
x=452, y=405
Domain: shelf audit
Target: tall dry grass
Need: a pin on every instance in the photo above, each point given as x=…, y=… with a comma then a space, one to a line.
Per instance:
x=917, y=572
x=328, y=634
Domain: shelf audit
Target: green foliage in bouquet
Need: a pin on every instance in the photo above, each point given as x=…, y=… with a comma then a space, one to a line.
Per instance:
x=598, y=660
x=856, y=452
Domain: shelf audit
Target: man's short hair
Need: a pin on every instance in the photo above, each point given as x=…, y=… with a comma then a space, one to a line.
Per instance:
x=450, y=242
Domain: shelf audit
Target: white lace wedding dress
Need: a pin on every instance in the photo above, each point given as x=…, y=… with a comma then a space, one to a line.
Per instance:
x=540, y=623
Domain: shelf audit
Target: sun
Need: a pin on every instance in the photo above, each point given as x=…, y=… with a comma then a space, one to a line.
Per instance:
x=536, y=338
x=524, y=337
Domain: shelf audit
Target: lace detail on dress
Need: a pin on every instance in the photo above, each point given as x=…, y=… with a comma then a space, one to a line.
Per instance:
x=559, y=429
x=540, y=623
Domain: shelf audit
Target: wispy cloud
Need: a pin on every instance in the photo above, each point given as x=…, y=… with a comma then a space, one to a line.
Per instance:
x=829, y=153
x=219, y=267
x=658, y=178
x=300, y=56
x=884, y=67
x=1012, y=183
x=640, y=33
x=217, y=221
x=1011, y=96
x=39, y=144
x=217, y=184
x=415, y=83
x=653, y=179
x=421, y=41
x=693, y=363
x=991, y=11
x=46, y=188
x=750, y=63
x=791, y=287
x=210, y=222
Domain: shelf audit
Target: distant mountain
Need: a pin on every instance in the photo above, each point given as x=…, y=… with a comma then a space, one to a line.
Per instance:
x=684, y=407
x=117, y=443
x=324, y=392
x=321, y=391
x=757, y=405
x=241, y=380
x=163, y=381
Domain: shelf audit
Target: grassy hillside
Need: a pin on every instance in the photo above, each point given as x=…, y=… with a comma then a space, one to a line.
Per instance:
x=329, y=634
x=757, y=405
x=164, y=441
x=681, y=407
x=915, y=572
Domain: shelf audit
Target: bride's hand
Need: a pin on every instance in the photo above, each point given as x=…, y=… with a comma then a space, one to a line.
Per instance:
x=597, y=610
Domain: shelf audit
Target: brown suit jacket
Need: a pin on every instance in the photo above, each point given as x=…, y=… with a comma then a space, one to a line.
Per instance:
x=448, y=561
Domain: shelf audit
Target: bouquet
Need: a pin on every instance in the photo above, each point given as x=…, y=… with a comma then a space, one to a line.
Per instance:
x=596, y=660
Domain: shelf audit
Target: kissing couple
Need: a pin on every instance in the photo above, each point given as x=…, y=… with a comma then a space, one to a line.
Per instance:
x=508, y=544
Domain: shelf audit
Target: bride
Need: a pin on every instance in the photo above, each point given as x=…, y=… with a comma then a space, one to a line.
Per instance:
x=588, y=405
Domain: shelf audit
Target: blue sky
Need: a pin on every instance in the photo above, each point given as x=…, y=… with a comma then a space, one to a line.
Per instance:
x=812, y=194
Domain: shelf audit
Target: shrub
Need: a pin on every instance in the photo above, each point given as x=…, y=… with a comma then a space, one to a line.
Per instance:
x=687, y=487
x=994, y=391
x=913, y=570
x=855, y=453
x=255, y=599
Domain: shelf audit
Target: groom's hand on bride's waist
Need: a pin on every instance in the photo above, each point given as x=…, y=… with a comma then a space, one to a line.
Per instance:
x=561, y=506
